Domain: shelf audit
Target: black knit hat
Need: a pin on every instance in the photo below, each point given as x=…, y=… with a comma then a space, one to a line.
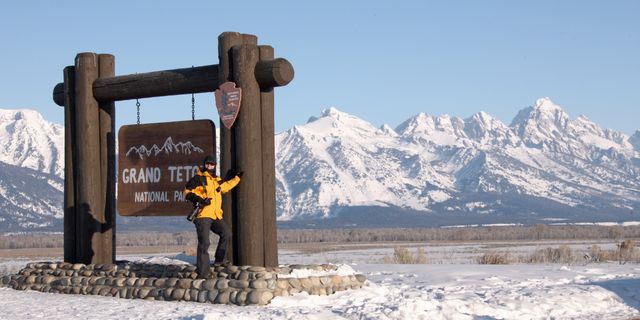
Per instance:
x=210, y=159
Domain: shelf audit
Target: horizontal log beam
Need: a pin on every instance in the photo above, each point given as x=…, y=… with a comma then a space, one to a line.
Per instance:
x=272, y=73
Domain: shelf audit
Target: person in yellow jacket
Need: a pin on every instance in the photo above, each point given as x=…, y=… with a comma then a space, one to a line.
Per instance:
x=205, y=188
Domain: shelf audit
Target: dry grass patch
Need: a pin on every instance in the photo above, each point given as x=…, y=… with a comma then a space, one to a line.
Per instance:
x=562, y=254
x=402, y=255
x=494, y=257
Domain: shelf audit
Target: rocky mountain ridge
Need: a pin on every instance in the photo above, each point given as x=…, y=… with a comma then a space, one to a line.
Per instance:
x=443, y=165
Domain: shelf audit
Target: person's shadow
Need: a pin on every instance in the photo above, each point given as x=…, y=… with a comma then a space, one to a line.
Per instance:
x=85, y=226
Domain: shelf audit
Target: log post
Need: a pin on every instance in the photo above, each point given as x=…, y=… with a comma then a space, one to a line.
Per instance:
x=106, y=68
x=268, y=168
x=226, y=41
x=69, y=166
x=89, y=217
x=248, y=143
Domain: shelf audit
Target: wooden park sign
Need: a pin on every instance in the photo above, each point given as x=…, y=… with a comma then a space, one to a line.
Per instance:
x=155, y=161
x=88, y=94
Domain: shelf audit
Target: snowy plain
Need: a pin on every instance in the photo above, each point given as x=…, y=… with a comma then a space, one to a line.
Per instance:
x=456, y=290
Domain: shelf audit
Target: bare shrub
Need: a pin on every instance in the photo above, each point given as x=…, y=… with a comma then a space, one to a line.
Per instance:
x=494, y=257
x=402, y=255
x=421, y=256
x=597, y=254
x=626, y=251
x=191, y=251
x=562, y=254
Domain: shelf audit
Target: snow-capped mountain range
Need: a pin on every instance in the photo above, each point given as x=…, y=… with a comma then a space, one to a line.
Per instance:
x=542, y=167
x=30, y=141
x=429, y=170
x=31, y=172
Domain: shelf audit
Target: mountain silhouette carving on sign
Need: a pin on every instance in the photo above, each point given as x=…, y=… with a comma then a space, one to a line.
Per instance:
x=168, y=147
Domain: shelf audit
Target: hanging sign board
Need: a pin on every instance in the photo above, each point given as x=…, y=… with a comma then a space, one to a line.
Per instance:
x=156, y=160
x=228, y=99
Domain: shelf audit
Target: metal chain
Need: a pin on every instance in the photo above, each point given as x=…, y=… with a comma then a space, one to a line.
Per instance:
x=138, y=106
x=193, y=107
x=193, y=104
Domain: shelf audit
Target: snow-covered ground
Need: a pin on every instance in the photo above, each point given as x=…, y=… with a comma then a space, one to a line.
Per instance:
x=429, y=291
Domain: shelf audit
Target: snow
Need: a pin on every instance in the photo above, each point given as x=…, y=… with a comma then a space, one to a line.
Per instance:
x=438, y=195
x=598, y=142
x=427, y=291
x=342, y=270
x=30, y=141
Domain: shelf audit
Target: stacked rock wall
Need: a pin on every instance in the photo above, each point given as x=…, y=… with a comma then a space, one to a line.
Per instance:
x=229, y=284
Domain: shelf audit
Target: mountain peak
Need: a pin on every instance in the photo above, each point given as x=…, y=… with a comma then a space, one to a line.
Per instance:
x=19, y=114
x=546, y=104
x=31, y=141
x=486, y=129
x=420, y=123
x=386, y=129
x=482, y=117
x=542, y=122
x=332, y=112
x=332, y=119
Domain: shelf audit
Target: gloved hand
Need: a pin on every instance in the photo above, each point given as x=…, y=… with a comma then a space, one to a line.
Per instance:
x=239, y=174
x=194, y=198
x=206, y=201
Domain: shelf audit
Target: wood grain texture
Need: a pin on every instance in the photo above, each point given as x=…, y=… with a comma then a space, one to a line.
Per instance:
x=273, y=73
x=226, y=41
x=248, y=143
x=107, y=113
x=70, y=163
x=89, y=216
x=268, y=168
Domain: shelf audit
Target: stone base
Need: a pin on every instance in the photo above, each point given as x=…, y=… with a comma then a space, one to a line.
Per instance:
x=228, y=284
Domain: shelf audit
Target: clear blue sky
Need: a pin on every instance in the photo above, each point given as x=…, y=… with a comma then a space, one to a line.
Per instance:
x=383, y=61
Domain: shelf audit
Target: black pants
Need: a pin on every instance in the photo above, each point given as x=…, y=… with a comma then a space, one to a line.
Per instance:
x=219, y=227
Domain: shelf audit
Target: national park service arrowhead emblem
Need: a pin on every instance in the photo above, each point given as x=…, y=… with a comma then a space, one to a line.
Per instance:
x=228, y=103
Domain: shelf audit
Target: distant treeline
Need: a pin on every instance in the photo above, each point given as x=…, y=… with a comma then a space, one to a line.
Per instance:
x=504, y=233
x=535, y=232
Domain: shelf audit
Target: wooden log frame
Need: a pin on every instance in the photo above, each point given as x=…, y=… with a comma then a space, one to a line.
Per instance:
x=88, y=214
x=106, y=68
x=70, y=163
x=248, y=147
x=226, y=41
x=88, y=95
x=274, y=73
x=268, y=167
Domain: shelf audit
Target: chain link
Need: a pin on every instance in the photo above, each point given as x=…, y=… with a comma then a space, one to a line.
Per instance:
x=193, y=106
x=138, y=107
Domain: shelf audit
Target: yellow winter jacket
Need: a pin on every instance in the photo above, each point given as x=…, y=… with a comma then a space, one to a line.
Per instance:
x=204, y=185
